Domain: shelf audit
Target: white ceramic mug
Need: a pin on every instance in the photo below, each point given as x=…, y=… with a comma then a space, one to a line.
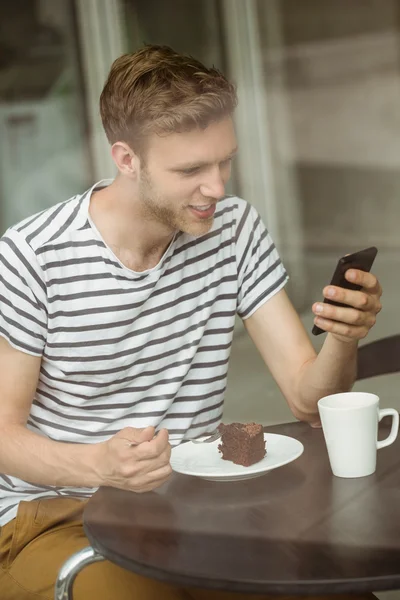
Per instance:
x=350, y=425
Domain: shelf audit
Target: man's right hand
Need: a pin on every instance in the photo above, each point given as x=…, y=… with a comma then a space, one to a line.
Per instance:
x=135, y=460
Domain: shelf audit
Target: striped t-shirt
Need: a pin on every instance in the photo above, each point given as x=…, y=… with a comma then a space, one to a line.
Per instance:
x=122, y=348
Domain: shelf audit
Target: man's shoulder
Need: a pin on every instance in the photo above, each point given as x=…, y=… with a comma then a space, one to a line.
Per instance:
x=235, y=214
x=53, y=224
x=231, y=209
x=232, y=204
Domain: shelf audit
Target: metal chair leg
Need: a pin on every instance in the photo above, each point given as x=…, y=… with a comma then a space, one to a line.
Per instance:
x=71, y=568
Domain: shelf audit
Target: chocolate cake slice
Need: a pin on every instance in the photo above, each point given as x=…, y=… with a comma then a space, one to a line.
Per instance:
x=242, y=443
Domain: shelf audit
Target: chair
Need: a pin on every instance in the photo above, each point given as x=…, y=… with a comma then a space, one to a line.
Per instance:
x=379, y=358
x=71, y=568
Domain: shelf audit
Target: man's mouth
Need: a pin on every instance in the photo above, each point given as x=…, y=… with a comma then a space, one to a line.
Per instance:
x=204, y=211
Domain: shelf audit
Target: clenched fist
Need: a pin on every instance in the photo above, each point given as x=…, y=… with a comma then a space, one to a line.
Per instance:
x=135, y=460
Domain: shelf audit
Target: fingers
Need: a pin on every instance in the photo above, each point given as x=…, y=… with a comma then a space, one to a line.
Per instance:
x=353, y=320
x=149, y=466
x=154, y=448
x=150, y=481
x=357, y=299
x=145, y=435
x=349, y=332
x=349, y=316
x=136, y=459
x=141, y=444
x=368, y=281
x=135, y=436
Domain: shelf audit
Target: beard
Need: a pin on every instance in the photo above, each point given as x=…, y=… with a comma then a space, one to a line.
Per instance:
x=167, y=212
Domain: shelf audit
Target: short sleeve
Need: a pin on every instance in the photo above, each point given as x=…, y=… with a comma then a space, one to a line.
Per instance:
x=23, y=297
x=261, y=273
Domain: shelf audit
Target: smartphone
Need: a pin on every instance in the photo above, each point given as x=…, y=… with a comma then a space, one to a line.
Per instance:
x=362, y=260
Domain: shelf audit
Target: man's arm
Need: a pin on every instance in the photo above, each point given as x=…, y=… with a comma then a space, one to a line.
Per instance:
x=283, y=343
x=23, y=453
x=132, y=459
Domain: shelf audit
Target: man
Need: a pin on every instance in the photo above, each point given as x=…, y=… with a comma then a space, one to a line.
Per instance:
x=117, y=314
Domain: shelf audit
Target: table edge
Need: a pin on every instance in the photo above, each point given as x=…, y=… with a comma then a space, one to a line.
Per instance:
x=311, y=587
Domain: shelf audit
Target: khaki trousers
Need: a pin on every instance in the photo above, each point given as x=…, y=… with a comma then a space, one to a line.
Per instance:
x=45, y=533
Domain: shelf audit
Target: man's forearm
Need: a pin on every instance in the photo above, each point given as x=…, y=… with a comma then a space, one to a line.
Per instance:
x=333, y=370
x=42, y=461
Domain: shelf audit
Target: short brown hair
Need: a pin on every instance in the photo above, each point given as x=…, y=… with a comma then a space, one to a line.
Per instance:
x=157, y=90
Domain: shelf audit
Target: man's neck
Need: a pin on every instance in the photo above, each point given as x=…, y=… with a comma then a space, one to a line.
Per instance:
x=136, y=241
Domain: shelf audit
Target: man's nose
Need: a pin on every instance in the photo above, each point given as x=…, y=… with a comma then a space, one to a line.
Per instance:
x=214, y=186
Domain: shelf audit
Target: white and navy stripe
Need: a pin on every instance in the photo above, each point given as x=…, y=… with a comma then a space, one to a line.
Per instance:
x=121, y=348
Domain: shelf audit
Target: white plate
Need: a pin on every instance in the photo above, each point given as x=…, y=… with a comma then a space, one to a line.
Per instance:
x=204, y=460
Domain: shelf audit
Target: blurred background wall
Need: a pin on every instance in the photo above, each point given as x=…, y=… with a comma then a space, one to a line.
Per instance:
x=318, y=122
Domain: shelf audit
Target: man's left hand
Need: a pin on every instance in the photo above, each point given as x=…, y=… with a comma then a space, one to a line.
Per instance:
x=353, y=322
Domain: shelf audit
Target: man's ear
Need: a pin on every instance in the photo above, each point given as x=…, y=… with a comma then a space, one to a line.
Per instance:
x=125, y=159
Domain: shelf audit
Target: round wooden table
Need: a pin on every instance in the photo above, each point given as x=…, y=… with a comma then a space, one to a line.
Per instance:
x=296, y=530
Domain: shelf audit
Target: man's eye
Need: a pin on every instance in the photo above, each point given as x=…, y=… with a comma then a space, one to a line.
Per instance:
x=191, y=171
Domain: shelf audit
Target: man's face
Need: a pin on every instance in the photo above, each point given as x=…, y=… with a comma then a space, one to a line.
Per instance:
x=185, y=175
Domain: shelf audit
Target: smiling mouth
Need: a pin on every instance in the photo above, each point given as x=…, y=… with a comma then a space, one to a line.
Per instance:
x=203, y=211
x=202, y=207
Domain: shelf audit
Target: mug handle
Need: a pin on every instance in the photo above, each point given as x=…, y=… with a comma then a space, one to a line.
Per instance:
x=395, y=426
